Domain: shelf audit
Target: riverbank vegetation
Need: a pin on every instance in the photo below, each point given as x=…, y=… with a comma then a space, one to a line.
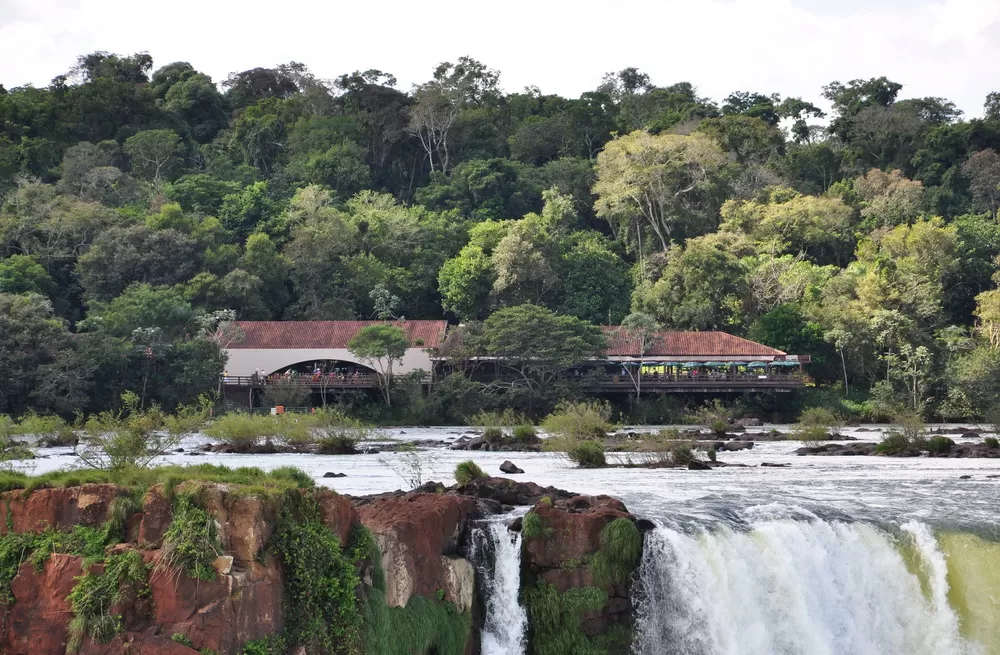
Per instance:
x=144, y=209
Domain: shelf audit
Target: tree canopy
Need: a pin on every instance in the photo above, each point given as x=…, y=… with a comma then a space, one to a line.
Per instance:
x=137, y=197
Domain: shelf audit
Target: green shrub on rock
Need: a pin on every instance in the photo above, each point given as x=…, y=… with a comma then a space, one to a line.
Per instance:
x=524, y=434
x=991, y=442
x=191, y=542
x=321, y=610
x=532, y=526
x=468, y=471
x=95, y=598
x=555, y=618
x=816, y=424
x=939, y=445
x=894, y=443
x=493, y=434
x=587, y=454
x=682, y=454
x=621, y=548
x=584, y=420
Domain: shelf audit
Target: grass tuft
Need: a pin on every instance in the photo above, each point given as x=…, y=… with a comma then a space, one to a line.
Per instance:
x=191, y=542
x=621, y=548
x=468, y=471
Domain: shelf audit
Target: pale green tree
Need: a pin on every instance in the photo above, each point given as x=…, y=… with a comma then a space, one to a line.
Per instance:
x=380, y=347
x=155, y=154
x=657, y=182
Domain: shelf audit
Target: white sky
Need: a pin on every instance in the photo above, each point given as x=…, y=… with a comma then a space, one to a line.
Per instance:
x=948, y=48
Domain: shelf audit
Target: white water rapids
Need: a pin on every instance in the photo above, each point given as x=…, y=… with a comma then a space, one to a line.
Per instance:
x=506, y=621
x=792, y=586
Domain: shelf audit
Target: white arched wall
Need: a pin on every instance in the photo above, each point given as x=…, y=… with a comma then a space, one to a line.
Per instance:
x=247, y=361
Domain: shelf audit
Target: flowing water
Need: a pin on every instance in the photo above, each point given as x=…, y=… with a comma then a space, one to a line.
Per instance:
x=826, y=555
x=796, y=586
x=498, y=555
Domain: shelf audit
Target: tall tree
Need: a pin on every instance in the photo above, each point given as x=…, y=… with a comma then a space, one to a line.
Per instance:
x=659, y=182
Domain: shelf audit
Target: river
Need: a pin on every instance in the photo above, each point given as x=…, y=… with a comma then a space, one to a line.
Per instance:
x=829, y=555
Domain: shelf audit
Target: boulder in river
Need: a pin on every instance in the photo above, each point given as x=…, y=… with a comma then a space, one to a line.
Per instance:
x=860, y=448
x=509, y=467
x=698, y=465
x=737, y=445
x=330, y=474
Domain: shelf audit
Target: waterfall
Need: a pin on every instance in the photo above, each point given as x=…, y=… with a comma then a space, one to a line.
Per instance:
x=795, y=587
x=497, y=552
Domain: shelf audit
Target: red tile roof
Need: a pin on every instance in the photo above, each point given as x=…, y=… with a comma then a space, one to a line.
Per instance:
x=329, y=334
x=687, y=344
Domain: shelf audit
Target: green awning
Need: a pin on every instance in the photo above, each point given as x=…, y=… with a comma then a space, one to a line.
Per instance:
x=757, y=365
x=784, y=363
x=715, y=364
x=737, y=363
x=689, y=365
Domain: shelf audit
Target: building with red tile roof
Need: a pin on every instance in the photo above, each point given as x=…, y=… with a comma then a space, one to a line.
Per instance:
x=271, y=346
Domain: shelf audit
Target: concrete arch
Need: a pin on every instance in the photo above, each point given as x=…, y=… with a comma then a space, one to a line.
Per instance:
x=246, y=361
x=308, y=364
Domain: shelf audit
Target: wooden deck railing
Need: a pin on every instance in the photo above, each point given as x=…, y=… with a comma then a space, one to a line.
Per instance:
x=611, y=382
x=314, y=381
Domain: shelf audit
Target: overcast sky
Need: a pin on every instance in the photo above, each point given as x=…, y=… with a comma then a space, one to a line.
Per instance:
x=947, y=48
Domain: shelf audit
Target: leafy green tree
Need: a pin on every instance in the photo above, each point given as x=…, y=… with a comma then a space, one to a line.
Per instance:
x=907, y=268
x=538, y=345
x=33, y=344
x=701, y=287
x=248, y=210
x=321, y=237
x=380, y=347
x=483, y=189
x=22, y=274
x=154, y=154
x=750, y=140
x=200, y=192
x=663, y=183
x=888, y=199
x=341, y=167
x=142, y=306
x=197, y=102
x=465, y=282
x=594, y=281
x=786, y=328
x=983, y=171
x=262, y=260
x=121, y=256
x=817, y=226
x=250, y=86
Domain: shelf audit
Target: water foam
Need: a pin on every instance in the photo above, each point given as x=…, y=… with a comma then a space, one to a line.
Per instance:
x=505, y=626
x=792, y=586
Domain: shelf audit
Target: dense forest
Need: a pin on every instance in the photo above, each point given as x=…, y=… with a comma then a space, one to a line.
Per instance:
x=139, y=208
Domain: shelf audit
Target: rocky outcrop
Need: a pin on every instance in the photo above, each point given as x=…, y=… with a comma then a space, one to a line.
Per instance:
x=243, y=602
x=420, y=535
x=511, y=492
x=60, y=508
x=221, y=614
x=853, y=449
x=423, y=538
x=506, y=444
x=562, y=550
x=959, y=451
x=38, y=619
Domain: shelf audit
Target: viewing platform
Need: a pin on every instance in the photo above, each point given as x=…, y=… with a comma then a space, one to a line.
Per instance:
x=313, y=355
